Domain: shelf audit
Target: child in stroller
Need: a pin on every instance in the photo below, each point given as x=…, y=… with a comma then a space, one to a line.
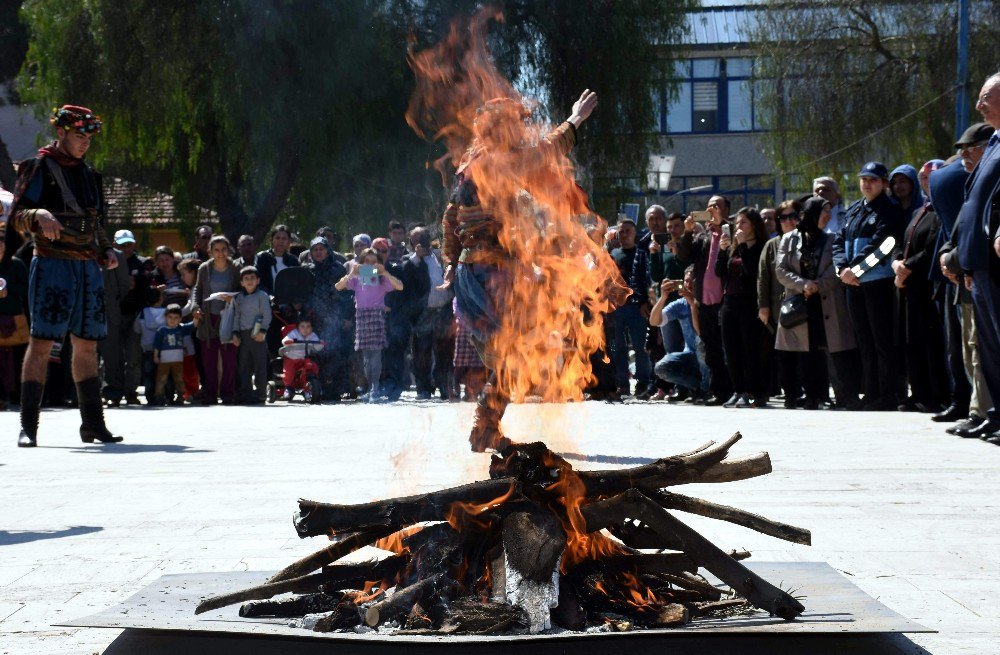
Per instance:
x=296, y=370
x=300, y=373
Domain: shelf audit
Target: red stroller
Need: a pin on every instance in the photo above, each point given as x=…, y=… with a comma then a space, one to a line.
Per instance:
x=293, y=286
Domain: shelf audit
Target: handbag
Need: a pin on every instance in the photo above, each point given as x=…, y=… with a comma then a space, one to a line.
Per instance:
x=794, y=311
x=19, y=336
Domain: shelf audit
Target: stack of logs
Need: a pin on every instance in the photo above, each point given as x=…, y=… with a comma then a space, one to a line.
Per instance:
x=537, y=545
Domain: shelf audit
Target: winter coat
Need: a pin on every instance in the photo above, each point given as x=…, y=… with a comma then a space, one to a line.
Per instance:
x=836, y=320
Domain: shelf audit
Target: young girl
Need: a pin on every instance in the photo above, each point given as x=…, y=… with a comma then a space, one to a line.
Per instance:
x=369, y=297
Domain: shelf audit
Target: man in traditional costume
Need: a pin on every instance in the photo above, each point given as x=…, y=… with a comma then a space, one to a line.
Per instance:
x=59, y=204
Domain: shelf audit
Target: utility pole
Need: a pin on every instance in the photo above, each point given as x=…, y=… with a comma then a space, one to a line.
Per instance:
x=962, y=94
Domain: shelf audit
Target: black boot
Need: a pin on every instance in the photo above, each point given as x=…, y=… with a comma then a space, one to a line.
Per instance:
x=31, y=403
x=88, y=393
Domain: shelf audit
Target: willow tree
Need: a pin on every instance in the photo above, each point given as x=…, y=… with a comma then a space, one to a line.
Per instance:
x=268, y=109
x=845, y=82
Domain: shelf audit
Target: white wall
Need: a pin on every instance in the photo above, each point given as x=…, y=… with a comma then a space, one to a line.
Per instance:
x=20, y=130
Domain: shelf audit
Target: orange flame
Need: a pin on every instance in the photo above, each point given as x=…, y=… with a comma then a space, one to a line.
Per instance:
x=569, y=491
x=394, y=542
x=553, y=274
x=461, y=514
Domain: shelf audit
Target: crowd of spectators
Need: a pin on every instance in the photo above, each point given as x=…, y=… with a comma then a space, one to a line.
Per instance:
x=819, y=303
x=169, y=341
x=886, y=303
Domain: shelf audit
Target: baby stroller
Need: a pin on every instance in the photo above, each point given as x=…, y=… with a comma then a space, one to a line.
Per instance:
x=293, y=286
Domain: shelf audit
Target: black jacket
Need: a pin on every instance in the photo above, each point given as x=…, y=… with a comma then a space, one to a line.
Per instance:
x=918, y=246
x=265, y=267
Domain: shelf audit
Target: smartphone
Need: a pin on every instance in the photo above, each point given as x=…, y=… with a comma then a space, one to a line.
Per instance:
x=367, y=274
x=701, y=216
x=727, y=230
x=662, y=239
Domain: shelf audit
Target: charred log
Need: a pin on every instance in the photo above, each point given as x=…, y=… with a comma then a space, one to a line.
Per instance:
x=314, y=518
x=758, y=591
x=298, y=606
x=401, y=603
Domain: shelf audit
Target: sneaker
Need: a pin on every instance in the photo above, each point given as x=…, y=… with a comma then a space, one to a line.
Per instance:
x=743, y=402
x=643, y=395
x=735, y=398
x=659, y=395
x=132, y=399
x=286, y=394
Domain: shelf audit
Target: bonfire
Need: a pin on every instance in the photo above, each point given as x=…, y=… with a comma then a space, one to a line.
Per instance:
x=538, y=546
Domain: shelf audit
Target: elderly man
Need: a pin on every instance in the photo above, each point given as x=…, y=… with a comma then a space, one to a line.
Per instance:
x=976, y=232
x=59, y=204
x=970, y=399
x=827, y=189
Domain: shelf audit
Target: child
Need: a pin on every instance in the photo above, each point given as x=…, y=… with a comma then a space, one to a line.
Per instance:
x=188, y=270
x=147, y=322
x=369, y=296
x=168, y=352
x=251, y=318
x=295, y=359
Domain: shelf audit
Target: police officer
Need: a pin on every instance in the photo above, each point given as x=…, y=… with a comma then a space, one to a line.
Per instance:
x=871, y=298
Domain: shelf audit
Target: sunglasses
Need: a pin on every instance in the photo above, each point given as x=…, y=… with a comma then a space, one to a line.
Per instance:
x=788, y=217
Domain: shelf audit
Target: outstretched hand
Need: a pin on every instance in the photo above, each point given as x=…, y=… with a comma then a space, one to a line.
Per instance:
x=583, y=107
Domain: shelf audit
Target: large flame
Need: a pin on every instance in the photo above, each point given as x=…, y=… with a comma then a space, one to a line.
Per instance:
x=556, y=281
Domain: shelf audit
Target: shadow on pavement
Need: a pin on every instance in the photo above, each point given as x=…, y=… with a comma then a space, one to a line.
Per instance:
x=11, y=537
x=130, y=449
x=133, y=642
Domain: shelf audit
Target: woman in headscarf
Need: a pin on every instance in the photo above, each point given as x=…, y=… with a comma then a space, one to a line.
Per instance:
x=904, y=188
x=805, y=266
x=769, y=294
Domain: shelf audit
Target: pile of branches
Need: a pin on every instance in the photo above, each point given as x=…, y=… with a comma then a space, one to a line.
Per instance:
x=538, y=545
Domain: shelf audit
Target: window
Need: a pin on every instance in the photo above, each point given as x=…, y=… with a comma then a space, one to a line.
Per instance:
x=714, y=95
x=706, y=107
x=740, y=107
x=679, y=110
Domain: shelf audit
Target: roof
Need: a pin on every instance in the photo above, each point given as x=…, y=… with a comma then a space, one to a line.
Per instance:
x=135, y=204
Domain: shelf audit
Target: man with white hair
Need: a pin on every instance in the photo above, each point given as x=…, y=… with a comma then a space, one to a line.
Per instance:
x=827, y=189
x=978, y=225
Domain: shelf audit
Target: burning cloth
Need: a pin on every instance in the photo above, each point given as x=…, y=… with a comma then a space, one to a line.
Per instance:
x=530, y=282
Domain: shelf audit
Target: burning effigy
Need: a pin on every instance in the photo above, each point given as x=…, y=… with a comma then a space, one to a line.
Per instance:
x=539, y=545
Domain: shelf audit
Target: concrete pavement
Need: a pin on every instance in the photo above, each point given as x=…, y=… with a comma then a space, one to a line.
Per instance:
x=911, y=514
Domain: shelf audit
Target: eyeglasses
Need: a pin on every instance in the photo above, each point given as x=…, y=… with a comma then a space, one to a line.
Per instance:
x=788, y=217
x=975, y=146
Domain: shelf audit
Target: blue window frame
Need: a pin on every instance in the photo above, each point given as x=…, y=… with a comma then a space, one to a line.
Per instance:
x=713, y=96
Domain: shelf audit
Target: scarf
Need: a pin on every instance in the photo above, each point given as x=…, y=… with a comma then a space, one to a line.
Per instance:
x=52, y=150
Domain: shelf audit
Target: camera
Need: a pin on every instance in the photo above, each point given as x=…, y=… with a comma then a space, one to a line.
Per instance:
x=662, y=239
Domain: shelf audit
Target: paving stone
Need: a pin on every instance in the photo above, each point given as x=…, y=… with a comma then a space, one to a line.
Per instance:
x=908, y=513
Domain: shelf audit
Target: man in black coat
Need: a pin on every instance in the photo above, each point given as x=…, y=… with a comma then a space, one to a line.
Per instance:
x=405, y=308
x=923, y=328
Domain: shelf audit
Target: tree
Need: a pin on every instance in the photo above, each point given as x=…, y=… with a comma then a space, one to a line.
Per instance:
x=846, y=82
x=553, y=49
x=294, y=109
x=247, y=107
x=13, y=45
